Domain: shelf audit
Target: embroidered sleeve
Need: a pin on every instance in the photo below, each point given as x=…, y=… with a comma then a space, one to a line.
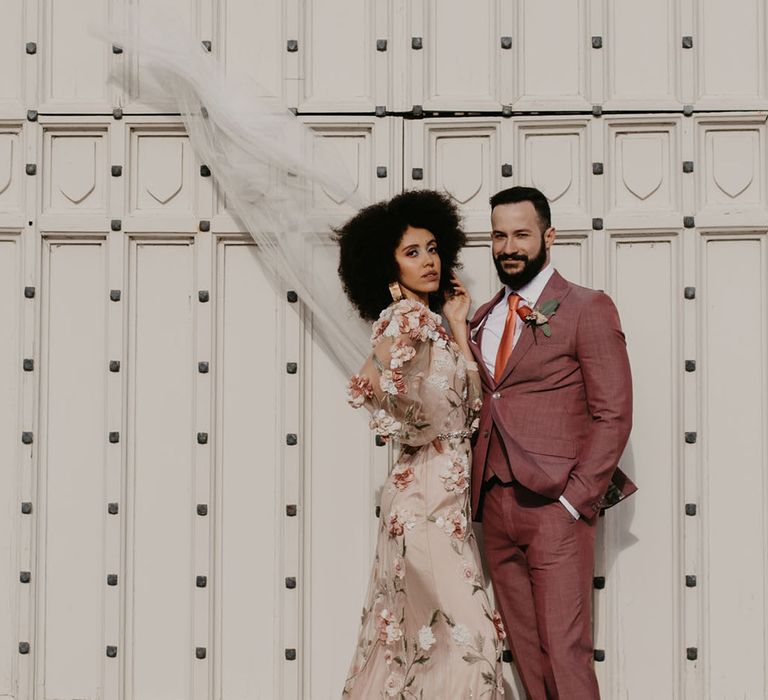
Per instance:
x=474, y=398
x=416, y=385
x=391, y=382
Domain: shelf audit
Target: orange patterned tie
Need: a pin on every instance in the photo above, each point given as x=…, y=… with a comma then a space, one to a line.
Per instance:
x=507, y=338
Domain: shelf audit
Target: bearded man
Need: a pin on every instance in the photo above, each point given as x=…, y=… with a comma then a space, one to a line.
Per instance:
x=556, y=416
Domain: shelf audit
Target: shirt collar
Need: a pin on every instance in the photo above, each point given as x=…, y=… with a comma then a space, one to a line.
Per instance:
x=531, y=291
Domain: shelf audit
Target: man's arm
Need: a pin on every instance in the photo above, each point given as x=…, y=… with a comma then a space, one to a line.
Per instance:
x=602, y=354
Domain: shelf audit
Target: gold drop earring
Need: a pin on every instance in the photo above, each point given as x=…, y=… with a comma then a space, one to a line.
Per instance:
x=395, y=291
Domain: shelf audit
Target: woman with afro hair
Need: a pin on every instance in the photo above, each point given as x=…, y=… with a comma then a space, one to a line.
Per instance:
x=428, y=629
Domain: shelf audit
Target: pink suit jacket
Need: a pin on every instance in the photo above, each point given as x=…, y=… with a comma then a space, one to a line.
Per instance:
x=562, y=409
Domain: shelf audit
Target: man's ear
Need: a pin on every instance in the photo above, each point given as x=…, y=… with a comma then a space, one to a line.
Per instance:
x=549, y=236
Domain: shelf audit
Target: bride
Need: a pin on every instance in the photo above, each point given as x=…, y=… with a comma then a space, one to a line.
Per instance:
x=428, y=630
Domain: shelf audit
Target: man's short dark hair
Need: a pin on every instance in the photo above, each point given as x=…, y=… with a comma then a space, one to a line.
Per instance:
x=513, y=195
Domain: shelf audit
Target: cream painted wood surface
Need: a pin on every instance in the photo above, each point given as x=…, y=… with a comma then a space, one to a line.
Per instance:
x=188, y=506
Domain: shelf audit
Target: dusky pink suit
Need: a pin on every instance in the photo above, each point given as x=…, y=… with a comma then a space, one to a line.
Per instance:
x=555, y=424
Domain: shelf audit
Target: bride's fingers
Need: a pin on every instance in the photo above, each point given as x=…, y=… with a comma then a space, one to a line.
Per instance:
x=460, y=291
x=457, y=291
x=458, y=287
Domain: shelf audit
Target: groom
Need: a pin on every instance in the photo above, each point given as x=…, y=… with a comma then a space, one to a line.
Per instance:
x=556, y=416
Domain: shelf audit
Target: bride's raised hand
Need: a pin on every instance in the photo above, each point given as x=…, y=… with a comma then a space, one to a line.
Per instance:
x=456, y=307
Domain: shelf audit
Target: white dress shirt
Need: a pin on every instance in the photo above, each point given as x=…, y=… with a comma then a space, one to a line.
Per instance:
x=493, y=329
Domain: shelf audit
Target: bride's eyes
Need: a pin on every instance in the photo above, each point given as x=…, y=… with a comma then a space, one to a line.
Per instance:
x=415, y=251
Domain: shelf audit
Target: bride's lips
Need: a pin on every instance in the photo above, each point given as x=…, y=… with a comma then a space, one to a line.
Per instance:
x=430, y=276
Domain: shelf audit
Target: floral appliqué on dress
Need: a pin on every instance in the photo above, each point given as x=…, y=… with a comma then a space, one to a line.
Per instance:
x=417, y=641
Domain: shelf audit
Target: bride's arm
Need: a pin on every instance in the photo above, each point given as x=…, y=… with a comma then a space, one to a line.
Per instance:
x=389, y=386
x=455, y=311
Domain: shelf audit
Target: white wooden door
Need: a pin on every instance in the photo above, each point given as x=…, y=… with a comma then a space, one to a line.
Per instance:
x=188, y=507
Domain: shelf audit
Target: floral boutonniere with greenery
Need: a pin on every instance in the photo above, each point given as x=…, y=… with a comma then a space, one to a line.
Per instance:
x=538, y=316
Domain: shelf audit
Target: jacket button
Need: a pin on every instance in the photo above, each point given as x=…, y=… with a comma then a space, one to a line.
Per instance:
x=495, y=395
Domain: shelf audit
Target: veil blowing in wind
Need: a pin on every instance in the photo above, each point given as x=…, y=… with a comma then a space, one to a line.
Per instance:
x=263, y=157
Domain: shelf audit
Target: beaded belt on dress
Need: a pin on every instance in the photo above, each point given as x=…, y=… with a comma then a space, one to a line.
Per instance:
x=457, y=435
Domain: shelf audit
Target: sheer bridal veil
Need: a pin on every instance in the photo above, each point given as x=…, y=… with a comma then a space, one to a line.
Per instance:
x=258, y=153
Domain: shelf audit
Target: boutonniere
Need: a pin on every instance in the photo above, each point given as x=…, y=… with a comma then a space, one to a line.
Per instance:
x=538, y=316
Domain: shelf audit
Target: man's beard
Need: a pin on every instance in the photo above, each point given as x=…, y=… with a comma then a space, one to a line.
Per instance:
x=531, y=267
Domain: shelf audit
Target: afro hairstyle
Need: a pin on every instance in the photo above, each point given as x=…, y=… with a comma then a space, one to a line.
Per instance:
x=368, y=242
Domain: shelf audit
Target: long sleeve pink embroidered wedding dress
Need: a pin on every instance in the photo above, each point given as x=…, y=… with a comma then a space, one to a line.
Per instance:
x=428, y=630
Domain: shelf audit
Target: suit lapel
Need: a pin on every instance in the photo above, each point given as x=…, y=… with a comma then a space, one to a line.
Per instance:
x=524, y=343
x=483, y=311
x=476, y=326
x=556, y=288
